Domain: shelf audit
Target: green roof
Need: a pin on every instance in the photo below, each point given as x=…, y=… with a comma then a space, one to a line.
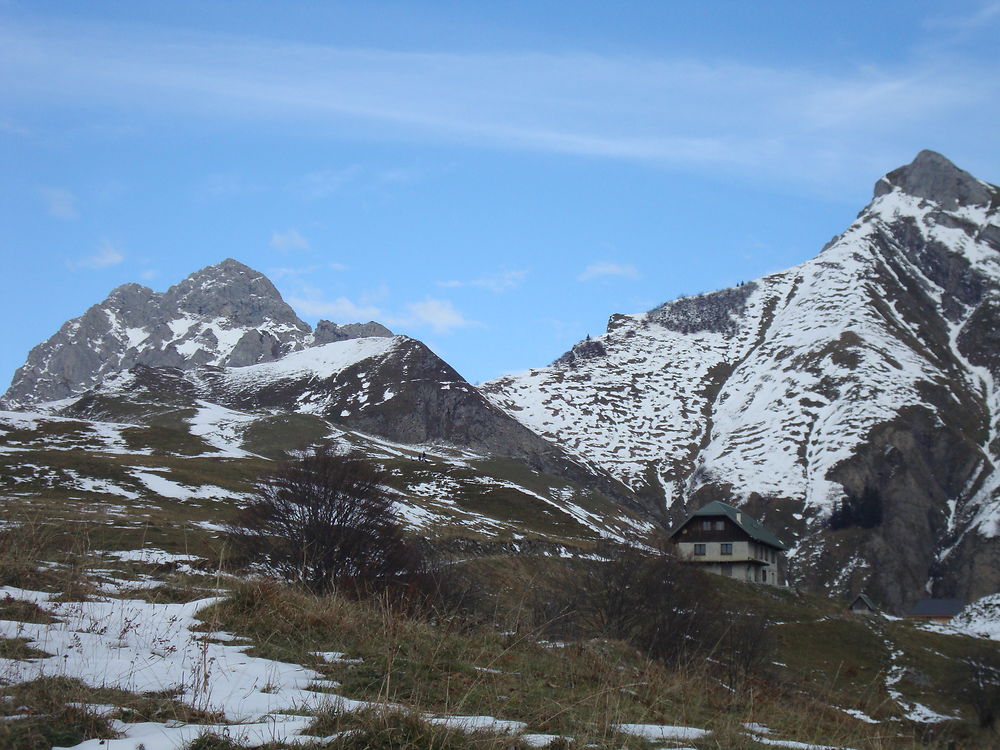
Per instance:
x=741, y=518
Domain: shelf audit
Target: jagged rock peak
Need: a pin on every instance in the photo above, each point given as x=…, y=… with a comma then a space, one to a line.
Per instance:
x=233, y=291
x=327, y=331
x=932, y=176
x=227, y=314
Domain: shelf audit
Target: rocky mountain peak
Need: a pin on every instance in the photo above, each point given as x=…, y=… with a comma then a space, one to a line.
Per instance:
x=226, y=314
x=930, y=175
x=233, y=292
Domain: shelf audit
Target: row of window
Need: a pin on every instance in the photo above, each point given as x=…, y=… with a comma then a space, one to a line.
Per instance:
x=719, y=525
x=726, y=548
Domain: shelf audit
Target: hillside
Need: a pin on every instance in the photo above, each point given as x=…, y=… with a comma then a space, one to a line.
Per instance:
x=867, y=372
x=135, y=627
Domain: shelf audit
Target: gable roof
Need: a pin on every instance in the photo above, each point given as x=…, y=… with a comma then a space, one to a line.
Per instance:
x=866, y=600
x=741, y=518
x=937, y=607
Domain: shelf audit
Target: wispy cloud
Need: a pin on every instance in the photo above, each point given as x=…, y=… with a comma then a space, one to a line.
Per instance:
x=219, y=186
x=437, y=314
x=288, y=240
x=791, y=122
x=497, y=283
x=339, y=310
x=604, y=269
x=107, y=255
x=61, y=203
x=325, y=182
x=298, y=272
x=985, y=15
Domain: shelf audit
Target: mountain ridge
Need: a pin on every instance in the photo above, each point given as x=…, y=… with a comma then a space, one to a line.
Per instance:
x=868, y=371
x=793, y=392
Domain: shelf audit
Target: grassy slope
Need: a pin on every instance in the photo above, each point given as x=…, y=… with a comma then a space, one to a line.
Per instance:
x=823, y=659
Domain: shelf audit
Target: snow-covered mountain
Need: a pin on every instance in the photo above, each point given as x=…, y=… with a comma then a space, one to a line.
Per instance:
x=867, y=375
x=857, y=390
x=227, y=314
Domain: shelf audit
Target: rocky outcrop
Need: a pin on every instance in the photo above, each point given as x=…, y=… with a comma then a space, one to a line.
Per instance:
x=326, y=331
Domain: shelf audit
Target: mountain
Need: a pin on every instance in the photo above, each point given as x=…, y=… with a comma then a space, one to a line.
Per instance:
x=220, y=367
x=857, y=390
x=227, y=314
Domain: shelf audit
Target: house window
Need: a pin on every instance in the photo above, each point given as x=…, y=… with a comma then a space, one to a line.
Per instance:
x=720, y=525
x=706, y=525
x=699, y=549
x=726, y=569
x=727, y=548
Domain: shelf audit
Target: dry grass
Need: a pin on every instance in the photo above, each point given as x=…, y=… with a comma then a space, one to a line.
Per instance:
x=488, y=655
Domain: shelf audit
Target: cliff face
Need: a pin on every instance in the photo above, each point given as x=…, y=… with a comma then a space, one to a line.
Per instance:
x=864, y=377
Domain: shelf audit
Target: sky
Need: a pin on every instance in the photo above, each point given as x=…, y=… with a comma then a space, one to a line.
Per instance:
x=495, y=179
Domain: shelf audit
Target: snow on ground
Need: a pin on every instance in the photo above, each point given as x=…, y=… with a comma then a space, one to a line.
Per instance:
x=168, y=488
x=795, y=745
x=150, y=556
x=911, y=709
x=981, y=618
x=317, y=362
x=154, y=736
x=101, y=486
x=140, y=647
x=221, y=428
x=660, y=732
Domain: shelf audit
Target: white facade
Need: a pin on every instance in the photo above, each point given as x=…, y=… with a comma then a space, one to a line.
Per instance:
x=745, y=560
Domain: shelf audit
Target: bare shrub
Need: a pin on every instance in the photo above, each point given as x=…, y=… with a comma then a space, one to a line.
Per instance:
x=665, y=607
x=327, y=522
x=982, y=691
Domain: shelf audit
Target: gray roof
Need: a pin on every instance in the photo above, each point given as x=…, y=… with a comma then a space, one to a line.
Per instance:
x=741, y=518
x=864, y=598
x=937, y=607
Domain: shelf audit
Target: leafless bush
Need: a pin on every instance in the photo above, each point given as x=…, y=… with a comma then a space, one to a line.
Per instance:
x=982, y=691
x=326, y=521
x=666, y=608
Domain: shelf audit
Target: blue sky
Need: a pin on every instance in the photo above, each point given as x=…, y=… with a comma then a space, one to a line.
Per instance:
x=495, y=179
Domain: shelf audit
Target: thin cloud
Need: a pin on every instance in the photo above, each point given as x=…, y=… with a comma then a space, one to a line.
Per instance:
x=439, y=315
x=325, y=182
x=794, y=123
x=61, y=203
x=498, y=283
x=604, y=269
x=287, y=241
x=221, y=186
x=107, y=255
x=341, y=309
x=289, y=272
x=985, y=15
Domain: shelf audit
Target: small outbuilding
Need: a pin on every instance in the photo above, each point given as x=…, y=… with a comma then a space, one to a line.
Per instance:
x=936, y=610
x=863, y=605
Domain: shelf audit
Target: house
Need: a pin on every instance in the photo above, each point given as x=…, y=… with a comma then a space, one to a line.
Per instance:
x=863, y=605
x=938, y=610
x=730, y=542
